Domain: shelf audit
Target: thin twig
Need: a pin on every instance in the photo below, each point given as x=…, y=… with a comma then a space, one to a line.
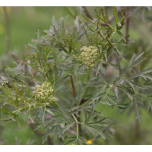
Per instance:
x=7, y=30
x=127, y=25
x=106, y=12
x=109, y=21
x=70, y=12
x=77, y=125
x=86, y=12
x=15, y=58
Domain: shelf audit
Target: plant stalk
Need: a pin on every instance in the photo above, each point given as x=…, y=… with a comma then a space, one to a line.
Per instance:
x=74, y=95
x=77, y=125
x=7, y=30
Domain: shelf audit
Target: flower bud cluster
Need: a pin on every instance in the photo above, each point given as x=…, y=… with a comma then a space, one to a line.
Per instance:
x=44, y=92
x=89, y=55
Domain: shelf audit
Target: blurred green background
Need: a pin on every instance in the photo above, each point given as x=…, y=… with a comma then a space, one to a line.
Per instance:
x=24, y=23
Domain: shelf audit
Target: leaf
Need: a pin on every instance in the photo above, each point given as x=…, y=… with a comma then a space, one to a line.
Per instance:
x=47, y=134
x=123, y=38
x=65, y=112
x=113, y=65
x=142, y=73
x=147, y=77
x=97, y=131
x=59, y=132
x=85, y=112
x=91, y=114
x=104, y=19
x=70, y=45
x=131, y=85
x=56, y=73
x=103, y=76
x=137, y=111
x=117, y=51
x=88, y=19
x=99, y=123
x=73, y=141
x=82, y=140
x=115, y=13
x=116, y=91
x=118, y=63
x=133, y=65
x=136, y=78
x=104, y=102
x=123, y=106
x=72, y=99
x=67, y=127
x=63, y=80
x=80, y=91
x=127, y=91
x=138, y=56
x=113, y=102
x=49, y=111
x=149, y=105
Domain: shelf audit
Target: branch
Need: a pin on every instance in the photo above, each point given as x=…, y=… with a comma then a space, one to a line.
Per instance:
x=74, y=95
x=70, y=12
x=127, y=25
x=15, y=58
x=86, y=12
x=102, y=23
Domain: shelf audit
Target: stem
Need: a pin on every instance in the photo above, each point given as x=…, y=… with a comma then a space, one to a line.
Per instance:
x=77, y=125
x=74, y=95
x=15, y=58
x=137, y=128
x=106, y=12
x=127, y=25
x=7, y=30
x=88, y=77
x=88, y=73
x=73, y=87
x=86, y=12
x=70, y=11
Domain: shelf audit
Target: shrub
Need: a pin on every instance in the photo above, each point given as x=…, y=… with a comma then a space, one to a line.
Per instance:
x=78, y=54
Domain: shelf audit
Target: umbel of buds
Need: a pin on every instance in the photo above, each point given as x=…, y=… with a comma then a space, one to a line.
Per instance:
x=44, y=93
x=89, y=55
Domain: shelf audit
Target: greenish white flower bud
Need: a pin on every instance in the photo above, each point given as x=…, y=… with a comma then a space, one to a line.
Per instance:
x=89, y=55
x=43, y=92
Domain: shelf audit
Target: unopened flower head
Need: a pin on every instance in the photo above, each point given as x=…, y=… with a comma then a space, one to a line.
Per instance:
x=44, y=92
x=89, y=55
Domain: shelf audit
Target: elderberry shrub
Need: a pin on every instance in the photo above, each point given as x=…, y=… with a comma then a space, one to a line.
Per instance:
x=63, y=80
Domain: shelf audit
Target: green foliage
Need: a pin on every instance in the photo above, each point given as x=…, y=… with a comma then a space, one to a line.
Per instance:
x=65, y=54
